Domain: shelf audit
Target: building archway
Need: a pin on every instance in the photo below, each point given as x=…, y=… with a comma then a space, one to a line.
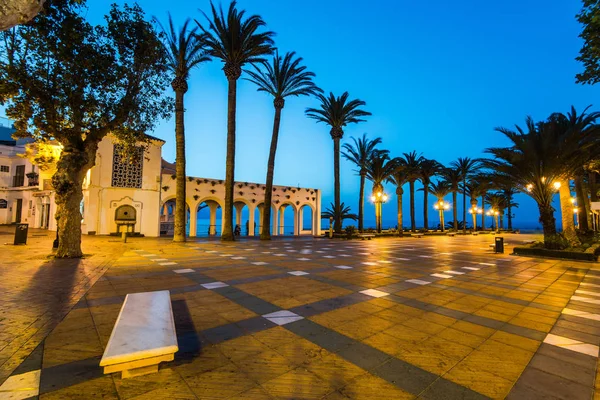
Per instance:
x=288, y=221
x=243, y=212
x=167, y=217
x=306, y=217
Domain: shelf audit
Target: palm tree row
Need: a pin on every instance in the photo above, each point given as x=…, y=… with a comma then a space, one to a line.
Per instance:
x=239, y=40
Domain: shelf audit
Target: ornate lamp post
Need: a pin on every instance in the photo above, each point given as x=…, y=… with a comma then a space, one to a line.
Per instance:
x=474, y=211
x=378, y=198
x=494, y=214
x=441, y=206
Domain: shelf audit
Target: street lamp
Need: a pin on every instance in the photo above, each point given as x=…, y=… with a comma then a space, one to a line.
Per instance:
x=378, y=198
x=494, y=214
x=441, y=206
x=474, y=211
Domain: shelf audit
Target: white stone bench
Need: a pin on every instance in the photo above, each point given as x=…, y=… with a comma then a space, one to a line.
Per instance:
x=364, y=236
x=143, y=336
x=417, y=235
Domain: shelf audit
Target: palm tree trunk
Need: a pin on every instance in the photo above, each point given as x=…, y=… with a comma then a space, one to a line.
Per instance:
x=361, y=202
x=474, y=216
x=227, y=233
x=548, y=221
x=265, y=234
x=584, y=211
x=425, y=209
x=509, y=214
x=399, y=193
x=180, y=203
x=483, y=212
x=336, y=171
x=566, y=213
x=413, y=227
x=465, y=206
x=454, y=210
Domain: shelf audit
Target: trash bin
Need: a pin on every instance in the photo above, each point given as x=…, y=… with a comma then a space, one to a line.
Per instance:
x=499, y=245
x=21, y=233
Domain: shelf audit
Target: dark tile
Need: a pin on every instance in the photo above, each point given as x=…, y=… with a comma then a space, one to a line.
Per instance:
x=572, y=334
x=580, y=321
x=567, y=356
x=255, y=304
x=421, y=305
x=525, y=332
x=521, y=392
x=490, y=323
x=576, y=373
x=223, y=333
x=255, y=324
x=104, y=301
x=448, y=312
x=404, y=375
x=590, y=330
x=32, y=362
x=65, y=375
x=306, y=329
x=444, y=389
x=363, y=356
x=553, y=385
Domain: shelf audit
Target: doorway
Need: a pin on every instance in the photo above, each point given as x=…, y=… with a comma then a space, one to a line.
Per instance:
x=19, y=210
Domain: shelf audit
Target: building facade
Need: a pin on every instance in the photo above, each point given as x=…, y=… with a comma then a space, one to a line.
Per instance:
x=137, y=193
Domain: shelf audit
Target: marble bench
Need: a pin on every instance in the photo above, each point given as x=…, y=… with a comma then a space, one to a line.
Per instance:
x=364, y=236
x=143, y=336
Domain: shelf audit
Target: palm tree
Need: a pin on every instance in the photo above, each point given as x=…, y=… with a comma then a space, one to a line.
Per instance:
x=427, y=170
x=378, y=170
x=337, y=112
x=399, y=178
x=509, y=193
x=497, y=203
x=467, y=166
x=284, y=78
x=235, y=40
x=342, y=212
x=360, y=154
x=483, y=183
x=440, y=190
x=539, y=157
x=454, y=178
x=412, y=164
x=185, y=50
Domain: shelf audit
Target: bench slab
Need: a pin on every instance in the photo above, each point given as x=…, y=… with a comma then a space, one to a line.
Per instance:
x=143, y=336
x=417, y=235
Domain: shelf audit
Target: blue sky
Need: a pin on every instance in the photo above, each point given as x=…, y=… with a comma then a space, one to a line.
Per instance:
x=438, y=76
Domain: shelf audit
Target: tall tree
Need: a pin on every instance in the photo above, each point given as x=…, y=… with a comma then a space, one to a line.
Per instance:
x=337, y=112
x=589, y=55
x=412, y=165
x=427, y=170
x=185, y=50
x=360, y=153
x=15, y=12
x=399, y=178
x=541, y=155
x=236, y=41
x=284, y=77
x=453, y=176
x=467, y=166
x=69, y=81
x=379, y=169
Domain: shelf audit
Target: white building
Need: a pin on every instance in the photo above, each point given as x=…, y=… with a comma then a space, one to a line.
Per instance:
x=139, y=194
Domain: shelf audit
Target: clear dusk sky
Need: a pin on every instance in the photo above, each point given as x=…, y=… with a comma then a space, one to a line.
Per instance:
x=438, y=76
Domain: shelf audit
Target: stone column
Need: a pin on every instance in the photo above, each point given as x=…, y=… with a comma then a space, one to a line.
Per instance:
x=193, y=221
x=297, y=224
x=317, y=215
x=212, y=230
x=251, y=211
x=281, y=215
x=300, y=219
x=274, y=223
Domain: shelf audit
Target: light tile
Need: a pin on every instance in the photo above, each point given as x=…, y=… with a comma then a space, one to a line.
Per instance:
x=384, y=262
x=343, y=267
x=167, y=263
x=579, y=291
x=586, y=299
x=369, y=263
x=259, y=263
x=298, y=273
x=214, y=285
x=445, y=276
x=454, y=272
x=282, y=317
x=183, y=271
x=280, y=255
x=589, y=284
x=225, y=255
x=329, y=256
x=560, y=340
x=303, y=259
x=374, y=293
x=158, y=259
x=581, y=314
x=488, y=264
x=238, y=258
x=402, y=259
x=423, y=256
x=417, y=282
x=584, y=348
x=149, y=255
x=471, y=268
x=22, y=386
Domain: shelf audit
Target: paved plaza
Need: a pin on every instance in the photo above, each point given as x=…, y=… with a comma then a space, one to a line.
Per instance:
x=431, y=318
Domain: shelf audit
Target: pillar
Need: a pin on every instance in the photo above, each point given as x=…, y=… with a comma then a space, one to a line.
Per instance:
x=251, y=211
x=212, y=229
x=296, y=224
x=238, y=213
x=281, y=220
x=274, y=223
x=317, y=214
x=193, y=221
x=300, y=220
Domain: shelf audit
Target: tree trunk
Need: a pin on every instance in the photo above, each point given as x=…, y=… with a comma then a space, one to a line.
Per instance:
x=413, y=227
x=593, y=186
x=425, y=209
x=483, y=212
x=361, y=202
x=266, y=221
x=584, y=211
x=566, y=213
x=67, y=181
x=465, y=206
x=509, y=215
x=337, y=224
x=399, y=193
x=474, y=216
x=548, y=221
x=227, y=233
x=454, y=210
x=180, y=201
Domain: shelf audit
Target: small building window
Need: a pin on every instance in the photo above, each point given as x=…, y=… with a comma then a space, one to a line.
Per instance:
x=4, y=168
x=127, y=169
x=3, y=203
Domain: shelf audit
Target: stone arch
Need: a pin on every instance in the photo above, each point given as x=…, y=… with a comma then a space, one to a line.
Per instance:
x=210, y=227
x=288, y=229
x=302, y=218
x=167, y=214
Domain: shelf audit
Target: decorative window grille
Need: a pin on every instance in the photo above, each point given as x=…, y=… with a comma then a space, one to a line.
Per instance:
x=4, y=168
x=127, y=169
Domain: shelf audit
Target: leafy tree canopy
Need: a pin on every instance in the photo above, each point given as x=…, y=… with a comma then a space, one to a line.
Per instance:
x=589, y=54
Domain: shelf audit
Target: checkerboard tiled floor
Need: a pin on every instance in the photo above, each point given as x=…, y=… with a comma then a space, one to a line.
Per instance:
x=387, y=318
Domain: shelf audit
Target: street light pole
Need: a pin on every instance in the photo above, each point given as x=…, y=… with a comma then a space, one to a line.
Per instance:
x=378, y=198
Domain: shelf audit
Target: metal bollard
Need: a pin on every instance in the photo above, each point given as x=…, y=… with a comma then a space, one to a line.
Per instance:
x=124, y=235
